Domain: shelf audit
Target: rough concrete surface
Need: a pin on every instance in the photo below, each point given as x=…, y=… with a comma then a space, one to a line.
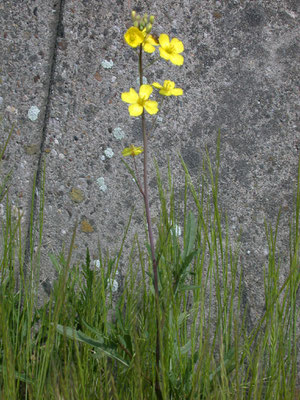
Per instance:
x=241, y=76
x=26, y=48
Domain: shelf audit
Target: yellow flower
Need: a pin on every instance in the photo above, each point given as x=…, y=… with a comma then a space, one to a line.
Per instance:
x=168, y=89
x=132, y=151
x=140, y=101
x=149, y=43
x=134, y=37
x=170, y=50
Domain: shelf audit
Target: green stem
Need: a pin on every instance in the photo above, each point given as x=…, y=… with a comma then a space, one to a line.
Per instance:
x=150, y=233
x=152, y=62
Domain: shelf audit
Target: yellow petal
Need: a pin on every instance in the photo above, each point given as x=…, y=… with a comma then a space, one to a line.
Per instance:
x=177, y=92
x=164, y=54
x=148, y=48
x=132, y=151
x=176, y=59
x=151, y=106
x=130, y=97
x=145, y=91
x=135, y=110
x=134, y=37
x=126, y=152
x=150, y=39
x=164, y=40
x=137, y=150
x=169, y=84
x=156, y=85
x=177, y=45
x=165, y=92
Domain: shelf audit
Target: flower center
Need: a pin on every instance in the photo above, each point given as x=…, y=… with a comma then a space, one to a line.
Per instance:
x=170, y=49
x=141, y=101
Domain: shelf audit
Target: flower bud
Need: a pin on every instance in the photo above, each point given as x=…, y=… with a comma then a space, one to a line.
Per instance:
x=142, y=26
x=136, y=24
x=148, y=28
x=145, y=17
x=133, y=15
x=151, y=19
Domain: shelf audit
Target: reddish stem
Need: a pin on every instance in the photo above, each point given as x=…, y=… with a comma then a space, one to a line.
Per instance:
x=150, y=233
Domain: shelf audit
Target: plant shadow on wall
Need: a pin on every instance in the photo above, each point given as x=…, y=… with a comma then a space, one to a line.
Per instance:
x=180, y=332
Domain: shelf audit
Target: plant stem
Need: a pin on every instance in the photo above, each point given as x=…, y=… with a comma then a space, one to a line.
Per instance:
x=151, y=240
x=138, y=178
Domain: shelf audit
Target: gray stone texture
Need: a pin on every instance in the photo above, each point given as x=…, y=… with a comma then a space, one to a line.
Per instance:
x=241, y=76
x=27, y=39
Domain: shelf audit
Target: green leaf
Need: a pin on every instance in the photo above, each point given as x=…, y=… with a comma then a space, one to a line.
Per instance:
x=131, y=171
x=229, y=363
x=187, y=260
x=98, y=334
x=2, y=151
x=189, y=287
x=55, y=262
x=182, y=317
x=189, y=234
x=184, y=270
x=21, y=377
x=113, y=354
x=4, y=185
x=78, y=335
x=186, y=348
x=81, y=337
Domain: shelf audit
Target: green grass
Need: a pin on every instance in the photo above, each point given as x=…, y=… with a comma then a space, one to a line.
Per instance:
x=87, y=342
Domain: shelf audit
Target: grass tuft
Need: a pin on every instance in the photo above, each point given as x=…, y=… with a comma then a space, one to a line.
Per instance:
x=86, y=342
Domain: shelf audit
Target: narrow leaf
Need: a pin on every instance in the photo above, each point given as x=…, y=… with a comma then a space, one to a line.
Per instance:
x=18, y=375
x=189, y=287
x=81, y=337
x=189, y=234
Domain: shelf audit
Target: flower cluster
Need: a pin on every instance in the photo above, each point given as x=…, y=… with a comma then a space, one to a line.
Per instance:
x=139, y=35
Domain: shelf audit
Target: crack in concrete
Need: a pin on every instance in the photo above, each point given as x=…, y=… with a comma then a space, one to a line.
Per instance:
x=58, y=32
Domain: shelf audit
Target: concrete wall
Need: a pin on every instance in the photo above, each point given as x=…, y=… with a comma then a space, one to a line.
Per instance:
x=241, y=76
